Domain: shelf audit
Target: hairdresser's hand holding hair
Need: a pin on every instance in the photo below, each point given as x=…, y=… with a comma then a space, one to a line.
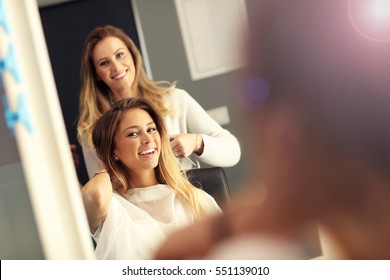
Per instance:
x=112, y=69
x=183, y=145
x=142, y=196
x=319, y=119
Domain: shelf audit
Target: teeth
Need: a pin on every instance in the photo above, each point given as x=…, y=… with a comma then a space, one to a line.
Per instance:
x=120, y=75
x=147, y=152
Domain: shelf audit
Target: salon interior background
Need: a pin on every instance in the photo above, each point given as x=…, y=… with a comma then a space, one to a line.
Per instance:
x=66, y=23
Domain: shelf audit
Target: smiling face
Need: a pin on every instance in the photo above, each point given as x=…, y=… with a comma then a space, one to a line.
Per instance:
x=137, y=141
x=115, y=66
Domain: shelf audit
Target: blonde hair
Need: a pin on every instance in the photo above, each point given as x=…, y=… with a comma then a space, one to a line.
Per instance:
x=96, y=97
x=167, y=171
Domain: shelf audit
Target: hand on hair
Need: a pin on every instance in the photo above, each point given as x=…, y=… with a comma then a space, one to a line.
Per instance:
x=183, y=145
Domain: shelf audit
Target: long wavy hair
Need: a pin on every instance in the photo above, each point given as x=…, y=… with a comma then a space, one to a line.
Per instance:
x=96, y=97
x=167, y=171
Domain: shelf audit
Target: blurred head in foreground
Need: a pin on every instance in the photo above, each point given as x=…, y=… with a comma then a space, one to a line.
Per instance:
x=316, y=103
x=318, y=114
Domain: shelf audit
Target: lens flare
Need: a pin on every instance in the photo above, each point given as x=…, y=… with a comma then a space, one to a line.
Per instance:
x=371, y=18
x=251, y=92
x=381, y=9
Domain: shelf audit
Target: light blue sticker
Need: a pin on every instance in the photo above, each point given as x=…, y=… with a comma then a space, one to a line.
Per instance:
x=3, y=17
x=20, y=115
x=8, y=63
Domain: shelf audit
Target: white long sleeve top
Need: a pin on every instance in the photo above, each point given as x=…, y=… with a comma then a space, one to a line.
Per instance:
x=221, y=148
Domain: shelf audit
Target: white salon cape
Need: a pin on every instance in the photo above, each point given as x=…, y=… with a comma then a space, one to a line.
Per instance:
x=140, y=220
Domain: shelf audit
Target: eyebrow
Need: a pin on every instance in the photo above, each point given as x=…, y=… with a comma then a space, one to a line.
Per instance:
x=106, y=57
x=135, y=126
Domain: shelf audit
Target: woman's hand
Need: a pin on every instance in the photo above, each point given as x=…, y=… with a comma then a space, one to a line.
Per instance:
x=183, y=145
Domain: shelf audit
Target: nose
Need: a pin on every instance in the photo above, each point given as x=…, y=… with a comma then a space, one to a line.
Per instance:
x=146, y=138
x=115, y=65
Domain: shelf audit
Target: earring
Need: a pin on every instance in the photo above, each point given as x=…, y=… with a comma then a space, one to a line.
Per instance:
x=116, y=158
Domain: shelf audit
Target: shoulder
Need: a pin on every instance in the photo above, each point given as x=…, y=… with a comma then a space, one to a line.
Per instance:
x=177, y=99
x=203, y=195
x=177, y=93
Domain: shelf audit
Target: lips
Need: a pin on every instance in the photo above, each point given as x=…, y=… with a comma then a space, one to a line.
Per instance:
x=120, y=75
x=148, y=152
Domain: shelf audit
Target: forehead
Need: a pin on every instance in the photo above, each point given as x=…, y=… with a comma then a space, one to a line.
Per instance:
x=135, y=117
x=108, y=46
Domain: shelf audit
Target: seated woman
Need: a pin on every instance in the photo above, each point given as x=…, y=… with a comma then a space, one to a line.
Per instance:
x=142, y=196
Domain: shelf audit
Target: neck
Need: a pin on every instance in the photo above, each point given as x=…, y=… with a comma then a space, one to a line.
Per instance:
x=120, y=94
x=142, y=179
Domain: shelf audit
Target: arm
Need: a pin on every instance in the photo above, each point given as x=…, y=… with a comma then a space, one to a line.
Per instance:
x=254, y=211
x=91, y=160
x=246, y=215
x=198, y=240
x=97, y=199
x=217, y=147
x=183, y=145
